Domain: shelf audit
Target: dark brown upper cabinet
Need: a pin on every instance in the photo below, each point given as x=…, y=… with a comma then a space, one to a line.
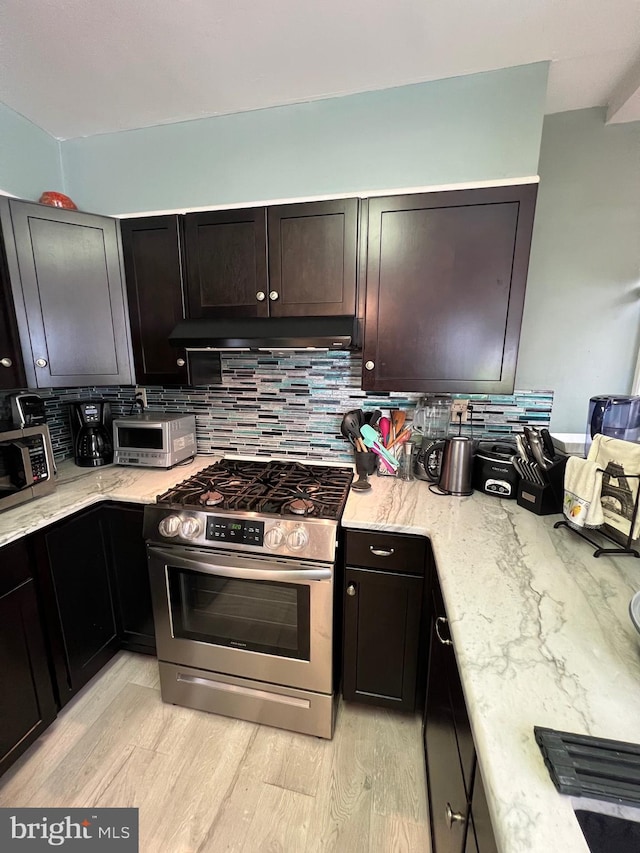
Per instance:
x=226, y=252
x=11, y=372
x=294, y=260
x=312, y=258
x=154, y=271
x=68, y=290
x=446, y=275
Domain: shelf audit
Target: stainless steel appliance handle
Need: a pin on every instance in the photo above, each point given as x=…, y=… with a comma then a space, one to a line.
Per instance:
x=246, y=572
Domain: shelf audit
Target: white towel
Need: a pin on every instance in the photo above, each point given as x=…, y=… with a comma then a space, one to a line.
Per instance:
x=619, y=494
x=582, y=486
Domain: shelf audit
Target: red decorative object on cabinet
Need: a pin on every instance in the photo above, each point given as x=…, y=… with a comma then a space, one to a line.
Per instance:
x=57, y=200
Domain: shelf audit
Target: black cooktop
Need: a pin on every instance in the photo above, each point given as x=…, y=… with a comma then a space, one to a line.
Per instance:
x=271, y=488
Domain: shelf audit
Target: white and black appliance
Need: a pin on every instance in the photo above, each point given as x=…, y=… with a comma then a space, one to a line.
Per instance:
x=154, y=439
x=242, y=565
x=493, y=469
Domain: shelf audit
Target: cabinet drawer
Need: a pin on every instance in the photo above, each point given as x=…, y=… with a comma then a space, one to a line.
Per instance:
x=388, y=552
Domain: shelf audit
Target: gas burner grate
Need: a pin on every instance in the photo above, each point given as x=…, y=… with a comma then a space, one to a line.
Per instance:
x=278, y=488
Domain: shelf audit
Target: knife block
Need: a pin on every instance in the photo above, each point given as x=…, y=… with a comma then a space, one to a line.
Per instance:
x=547, y=499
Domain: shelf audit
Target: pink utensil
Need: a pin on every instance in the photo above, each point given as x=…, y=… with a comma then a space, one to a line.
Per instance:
x=384, y=425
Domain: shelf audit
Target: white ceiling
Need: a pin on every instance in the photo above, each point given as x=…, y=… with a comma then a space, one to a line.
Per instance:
x=80, y=67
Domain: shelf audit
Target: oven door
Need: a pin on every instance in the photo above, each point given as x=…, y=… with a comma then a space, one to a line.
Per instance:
x=262, y=618
x=137, y=436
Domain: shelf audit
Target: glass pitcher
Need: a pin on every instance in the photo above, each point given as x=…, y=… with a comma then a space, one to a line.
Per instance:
x=432, y=417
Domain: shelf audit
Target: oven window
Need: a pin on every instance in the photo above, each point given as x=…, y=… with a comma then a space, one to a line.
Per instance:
x=260, y=616
x=140, y=438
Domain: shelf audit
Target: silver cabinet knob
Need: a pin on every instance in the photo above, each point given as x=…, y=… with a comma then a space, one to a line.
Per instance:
x=369, y=365
x=260, y=296
x=41, y=362
x=453, y=817
x=181, y=362
x=273, y=295
x=6, y=362
x=351, y=590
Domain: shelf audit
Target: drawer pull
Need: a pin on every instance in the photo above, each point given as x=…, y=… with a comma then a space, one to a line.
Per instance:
x=381, y=552
x=440, y=637
x=453, y=817
x=351, y=589
x=6, y=362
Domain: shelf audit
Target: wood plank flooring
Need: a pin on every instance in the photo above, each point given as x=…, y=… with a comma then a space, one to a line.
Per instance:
x=207, y=784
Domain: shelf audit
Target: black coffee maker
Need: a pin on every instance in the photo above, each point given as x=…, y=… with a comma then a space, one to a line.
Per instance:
x=92, y=433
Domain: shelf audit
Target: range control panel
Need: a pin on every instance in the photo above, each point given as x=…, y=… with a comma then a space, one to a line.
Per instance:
x=241, y=531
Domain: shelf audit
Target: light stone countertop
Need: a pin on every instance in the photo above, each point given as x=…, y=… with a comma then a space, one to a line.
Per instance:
x=540, y=627
x=542, y=637
x=78, y=488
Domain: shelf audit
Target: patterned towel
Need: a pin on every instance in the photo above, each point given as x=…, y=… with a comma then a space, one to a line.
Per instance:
x=582, y=487
x=618, y=493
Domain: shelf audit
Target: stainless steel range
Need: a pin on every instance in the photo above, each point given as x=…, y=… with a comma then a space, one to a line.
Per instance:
x=242, y=565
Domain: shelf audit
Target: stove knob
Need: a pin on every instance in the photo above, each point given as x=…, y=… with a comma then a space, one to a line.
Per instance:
x=298, y=538
x=170, y=526
x=275, y=537
x=191, y=528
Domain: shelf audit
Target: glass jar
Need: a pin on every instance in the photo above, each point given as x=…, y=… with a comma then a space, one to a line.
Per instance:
x=405, y=471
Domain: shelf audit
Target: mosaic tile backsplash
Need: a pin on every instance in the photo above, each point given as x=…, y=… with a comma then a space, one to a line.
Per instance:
x=288, y=406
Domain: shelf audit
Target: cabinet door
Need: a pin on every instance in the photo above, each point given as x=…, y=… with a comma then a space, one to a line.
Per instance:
x=27, y=703
x=448, y=803
x=132, y=591
x=226, y=252
x=446, y=276
x=381, y=638
x=70, y=278
x=312, y=258
x=153, y=269
x=81, y=613
x=11, y=372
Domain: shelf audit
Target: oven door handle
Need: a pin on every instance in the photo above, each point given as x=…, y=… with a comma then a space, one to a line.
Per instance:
x=246, y=573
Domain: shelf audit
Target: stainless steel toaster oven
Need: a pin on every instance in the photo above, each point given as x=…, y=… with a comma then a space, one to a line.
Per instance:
x=154, y=439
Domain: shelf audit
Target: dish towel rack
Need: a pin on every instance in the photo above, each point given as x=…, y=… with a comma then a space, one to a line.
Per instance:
x=610, y=459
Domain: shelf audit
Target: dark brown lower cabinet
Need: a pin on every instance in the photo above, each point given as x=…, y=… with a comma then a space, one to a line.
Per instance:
x=480, y=837
x=453, y=777
x=383, y=614
x=130, y=575
x=77, y=592
x=27, y=704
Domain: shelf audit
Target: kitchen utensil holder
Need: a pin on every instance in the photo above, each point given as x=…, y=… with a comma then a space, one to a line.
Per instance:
x=624, y=547
x=544, y=499
x=383, y=471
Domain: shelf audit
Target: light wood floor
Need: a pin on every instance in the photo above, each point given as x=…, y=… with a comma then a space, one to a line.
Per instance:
x=205, y=783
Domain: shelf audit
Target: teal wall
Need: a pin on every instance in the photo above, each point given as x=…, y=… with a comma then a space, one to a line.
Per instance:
x=478, y=127
x=581, y=321
x=29, y=158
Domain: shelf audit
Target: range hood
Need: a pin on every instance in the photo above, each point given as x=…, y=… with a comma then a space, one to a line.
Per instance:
x=266, y=333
